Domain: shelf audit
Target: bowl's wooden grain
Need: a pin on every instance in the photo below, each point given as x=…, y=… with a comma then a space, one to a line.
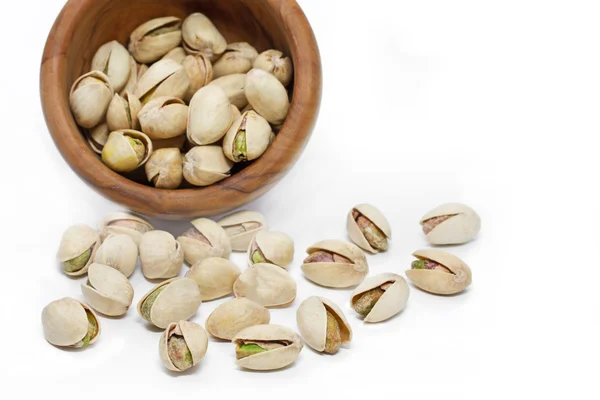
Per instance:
x=84, y=25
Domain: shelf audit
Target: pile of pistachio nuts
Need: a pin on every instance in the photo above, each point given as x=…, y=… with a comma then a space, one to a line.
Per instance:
x=179, y=86
x=109, y=256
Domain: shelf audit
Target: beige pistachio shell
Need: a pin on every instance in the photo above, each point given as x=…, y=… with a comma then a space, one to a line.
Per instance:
x=108, y=291
x=205, y=165
x=272, y=359
x=461, y=228
x=440, y=282
x=333, y=274
x=267, y=96
x=235, y=315
x=373, y=215
x=237, y=59
x=97, y=137
x=165, y=168
x=161, y=255
x=179, y=300
x=118, y=153
x=210, y=115
x=312, y=322
x=177, y=142
x=242, y=226
x=137, y=70
x=164, y=78
x=119, y=252
x=116, y=223
x=257, y=133
x=215, y=277
x=235, y=112
x=195, y=338
x=267, y=285
x=164, y=118
x=65, y=322
x=177, y=54
x=274, y=62
x=153, y=39
x=113, y=60
x=233, y=86
x=200, y=72
x=123, y=112
x=391, y=302
x=75, y=241
x=89, y=99
x=277, y=248
x=201, y=36
x=196, y=250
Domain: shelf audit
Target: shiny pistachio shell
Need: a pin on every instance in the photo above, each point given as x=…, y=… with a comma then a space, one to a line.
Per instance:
x=119, y=252
x=75, y=241
x=267, y=96
x=123, y=112
x=113, y=59
x=119, y=155
x=233, y=86
x=237, y=59
x=312, y=322
x=161, y=255
x=258, y=134
x=137, y=70
x=179, y=300
x=210, y=115
x=235, y=315
x=97, y=137
x=242, y=226
x=196, y=250
x=391, y=302
x=205, y=165
x=272, y=359
x=277, y=247
x=195, y=338
x=337, y=275
x=461, y=228
x=165, y=168
x=200, y=35
x=164, y=117
x=89, y=101
x=110, y=292
x=147, y=47
x=164, y=78
x=215, y=277
x=373, y=215
x=267, y=285
x=440, y=282
x=65, y=322
x=200, y=72
x=111, y=224
x=177, y=54
x=274, y=62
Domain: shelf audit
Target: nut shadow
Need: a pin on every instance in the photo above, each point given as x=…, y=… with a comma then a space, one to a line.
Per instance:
x=462, y=293
x=329, y=288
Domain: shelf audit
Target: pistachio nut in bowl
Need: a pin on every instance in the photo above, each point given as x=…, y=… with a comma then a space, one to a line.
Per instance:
x=70, y=323
x=380, y=297
x=267, y=347
x=323, y=325
x=438, y=272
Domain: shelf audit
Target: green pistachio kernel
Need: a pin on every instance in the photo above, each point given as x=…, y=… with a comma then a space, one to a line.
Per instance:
x=257, y=257
x=417, y=264
x=179, y=353
x=77, y=263
x=248, y=350
x=149, y=302
x=365, y=303
x=138, y=147
x=239, y=146
x=333, y=339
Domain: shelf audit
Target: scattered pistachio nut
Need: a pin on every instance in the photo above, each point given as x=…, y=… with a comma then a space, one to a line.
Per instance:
x=335, y=263
x=233, y=86
x=235, y=315
x=115, y=223
x=77, y=249
x=380, y=297
x=274, y=62
x=210, y=115
x=164, y=117
x=107, y=290
x=205, y=165
x=97, y=137
x=451, y=223
x=267, y=96
x=113, y=60
x=368, y=228
x=177, y=54
x=200, y=72
x=182, y=345
x=237, y=59
x=126, y=150
x=155, y=38
x=439, y=272
x=215, y=277
x=161, y=255
x=89, y=99
x=204, y=239
x=241, y=227
x=163, y=78
x=201, y=36
x=275, y=248
x=323, y=325
x=164, y=168
x=123, y=112
x=266, y=347
x=248, y=138
x=70, y=323
x=118, y=251
x=267, y=285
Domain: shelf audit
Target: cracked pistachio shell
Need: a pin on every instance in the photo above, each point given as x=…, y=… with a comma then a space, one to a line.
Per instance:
x=201, y=36
x=164, y=78
x=119, y=155
x=89, y=99
x=65, y=322
x=195, y=338
x=373, y=215
x=153, y=39
x=123, y=112
x=215, y=277
x=164, y=117
x=161, y=255
x=165, y=168
x=440, y=282
x=267, y=96
x=391, y=302
x=205, y=165
x=276, y=247
x=177, y=54
x=267, y=285
x=205, y=239
x=271, y=359
x=113, y=60
x=119, y=252
x=312, y=322
x=237, y=59
x=116, y=223
x=233, y=86
x=137, y=70
x=242, y=226
x=210, y=115
x=108, y=291
x=176, y=142
x=97, y=137
x=337, y=274
x=274, y=62
x=258, y=134
x=461, y=228
x=75, y=241
x=234, y=316
x=200, y=72
x=179, y=300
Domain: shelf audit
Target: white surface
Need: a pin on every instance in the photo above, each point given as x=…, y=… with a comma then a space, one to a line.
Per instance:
x=495, y=104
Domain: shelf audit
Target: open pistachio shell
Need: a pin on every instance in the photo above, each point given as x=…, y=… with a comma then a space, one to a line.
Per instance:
x=97, y=137
x=164, y=78
x=113, y=60
x=242, y=226
x=205, y=165
x=77, y=248
x=200, y=72
x=235, y=315
x=70, y=323
x=267, y=96
x=205, y=239
x=267, y=285
x=182, y=345
x=313, y=324
x=334, y=271
x=443, y=274
x=248, y=138
x=201, y=36
x=116, y=223
x=210, y=115
x=123, y=112
x=164, y=117
x=237, y=59
x=161, y=255
x=215, y=277
x=233, y=86
x=126, y=150
x=165, y=168
x=368, y=228
x=451, y=223
x=177, y=54
x=281, y=347
x=107, y=290
x=391, y=302
x=274, y=62
x=89, y=99
x=119, y=252
x=153, y=39
x=137, y=70
x=271, y=247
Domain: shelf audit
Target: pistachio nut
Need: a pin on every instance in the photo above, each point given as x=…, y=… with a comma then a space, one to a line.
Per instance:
x=165, y=168
x=177, y=142
x=89, y=99
x=137, y=70
x=267, y=285
x=439, y=272
x=274, y=62
x=267, y=96
x=237, y=59
x=234, y=316
x=241, y=227
x=172, y=300
x=164, y=117
x=126, y=150
x=233, y=86
x=380, y=297
x=123, y=112
x=323, y=325
x=153, y=39
x=182, y=345
x=368, y=228
x=113, y=60
x=204, y=239
x=177, y=54
x=163, y=78
x=210, y=116
x=118, y=251
x=335, y=263
x=200, y=71
x=248, y=138
x=77, y=249
x=201, y=36
x=235, y=112
x=205, y=165
x=116, y=223
x=107, y=290
x=70, y=323
x=215, y=277
x=275, y=248
x=266, y=347
x=97, y=137
x=161, y=255
x=451, y=223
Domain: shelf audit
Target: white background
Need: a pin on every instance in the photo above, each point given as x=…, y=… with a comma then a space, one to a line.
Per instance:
x=491, y=103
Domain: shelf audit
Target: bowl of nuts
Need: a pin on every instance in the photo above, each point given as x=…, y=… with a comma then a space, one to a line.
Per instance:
x=183, y=108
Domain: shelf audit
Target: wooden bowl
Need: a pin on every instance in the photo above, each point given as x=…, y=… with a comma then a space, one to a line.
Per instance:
x=84, y=25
